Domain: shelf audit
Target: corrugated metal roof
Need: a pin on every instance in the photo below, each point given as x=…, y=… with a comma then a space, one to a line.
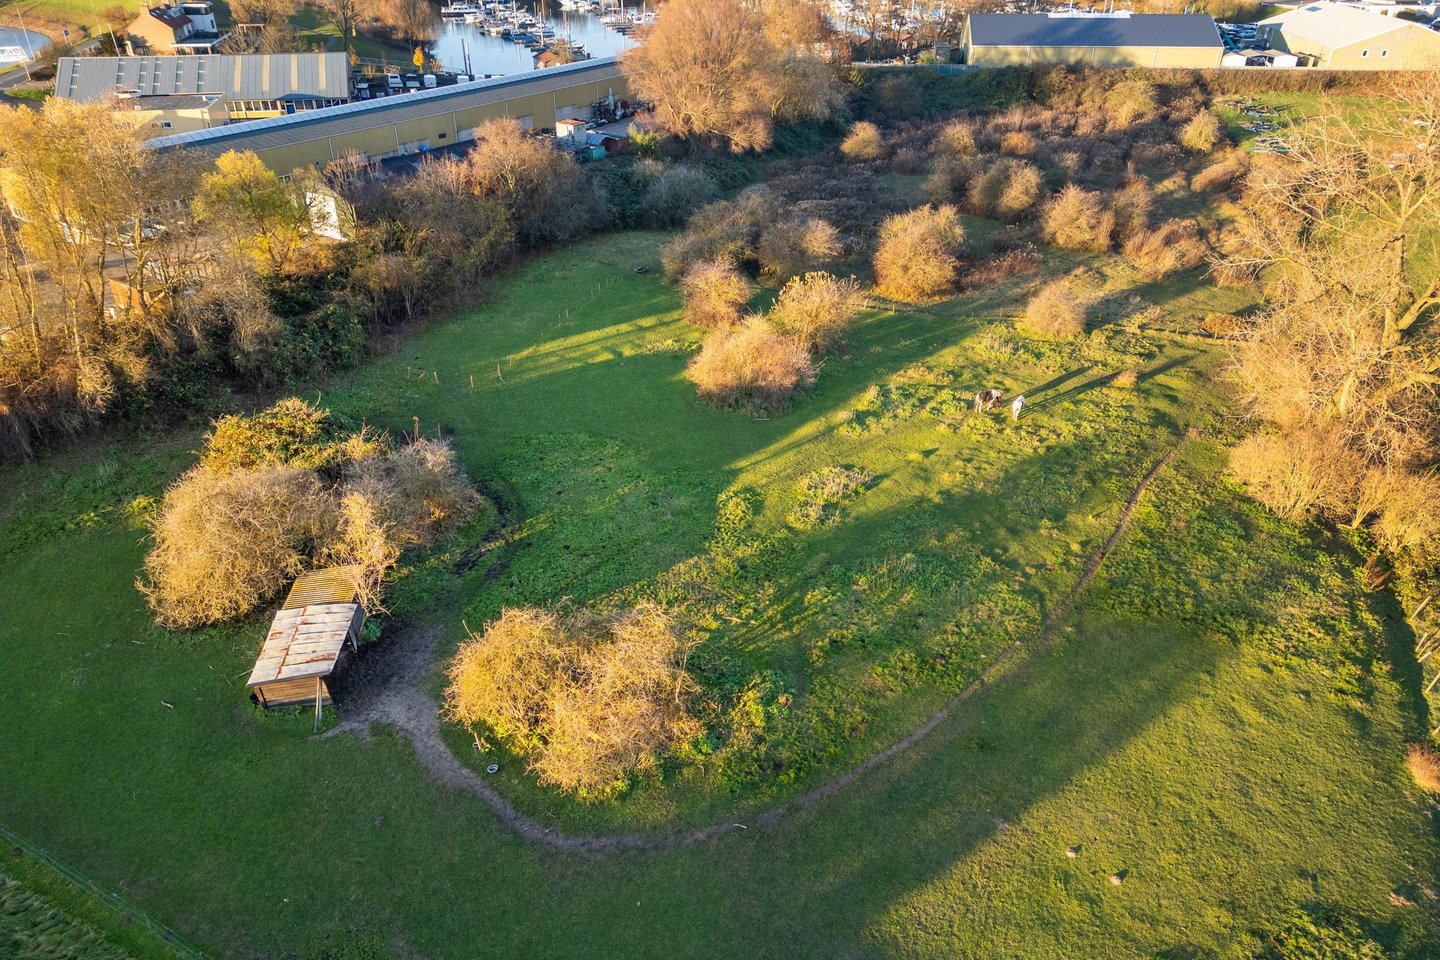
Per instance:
x=366, y=114
x=1334, y=24
x=171, y=101
x=1137, y=30
x=237, y=77
x=305, y=642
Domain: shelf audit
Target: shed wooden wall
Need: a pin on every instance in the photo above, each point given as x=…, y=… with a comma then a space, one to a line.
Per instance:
x=292, y=693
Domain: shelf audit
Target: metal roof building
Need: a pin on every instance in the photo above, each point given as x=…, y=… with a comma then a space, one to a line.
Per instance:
x=1339, y=36
x=413, y=122
x=1099, y=39
x=250, y=83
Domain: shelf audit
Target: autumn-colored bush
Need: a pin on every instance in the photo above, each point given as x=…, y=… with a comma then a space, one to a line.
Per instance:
x=955, y=138
x=284, y=490
x=916, y=255
x=863, y=142
x=715, y=293
x=909, y=161
x=795, y=245
x=750, y=364
x=292, y=432
x=815, y=310
x=726, y=230
x=225, y=542
x=418, y=489
x=1125, y=379
x=1056, y=310
x=1305, y=469
x=1202, y=133
x=949, y=177
x=1407, y=515
x=1077, y=219
x=1007, y=266
x=589, y=698
x=1007, y=189
x=1130, y=102
x=1173, y=246
x=1222, y=324
x=1131, y=208
x=1424, y=766
x=1223, y=174
x=1018, y=143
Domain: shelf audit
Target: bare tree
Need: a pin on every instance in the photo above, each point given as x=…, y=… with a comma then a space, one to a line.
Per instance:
x=345, y=15
x=724, y=71
x=1347, y=225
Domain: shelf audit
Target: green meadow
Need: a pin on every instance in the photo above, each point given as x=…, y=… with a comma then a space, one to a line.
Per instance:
x=1210, y=744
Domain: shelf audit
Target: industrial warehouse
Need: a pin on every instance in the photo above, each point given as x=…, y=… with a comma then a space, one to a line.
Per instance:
x=252, y=86
x=427, y=120
x=1102, y=40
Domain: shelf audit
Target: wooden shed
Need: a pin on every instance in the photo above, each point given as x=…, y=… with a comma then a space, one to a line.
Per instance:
x=308, y=639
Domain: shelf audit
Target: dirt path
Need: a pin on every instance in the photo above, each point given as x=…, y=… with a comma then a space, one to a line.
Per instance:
x=391, y=690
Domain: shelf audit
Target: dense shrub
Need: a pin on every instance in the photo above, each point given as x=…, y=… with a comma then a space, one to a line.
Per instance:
x=1018, y=143
x=1202, y=133
x=1406, y=510
x=1007, y=189
x=1130, y=102
x=283, y=490
x=293, y=432
x=950, y=177
x=1223, y=174
x=864, y=142
x=955, y=138
x=1131, y=208
x=224, y=543
x=1007, y=266
x=898, y=97
x=908, y=161
x=1424, y=766
x=677, y=193
x=1056, y=310
x=589, y=698
x=1077, y=219
x=916, y=255
x=715, y=293
x=795, y=245
x=1173, y=246
x=1304, y=470
x=750, y=364
x=726, y=230
x=815, y=310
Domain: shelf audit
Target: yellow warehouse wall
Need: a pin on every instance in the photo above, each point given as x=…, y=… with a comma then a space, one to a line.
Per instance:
x=1192, y=57
x=386, y=138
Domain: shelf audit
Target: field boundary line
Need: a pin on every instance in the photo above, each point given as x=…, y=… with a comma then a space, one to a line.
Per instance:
x=406, y=706
x=113, y=900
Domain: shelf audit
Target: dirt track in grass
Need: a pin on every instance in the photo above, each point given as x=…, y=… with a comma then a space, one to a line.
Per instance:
x=390, y=688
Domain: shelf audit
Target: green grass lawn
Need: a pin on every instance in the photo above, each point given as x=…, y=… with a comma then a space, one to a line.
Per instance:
x=1215, y=725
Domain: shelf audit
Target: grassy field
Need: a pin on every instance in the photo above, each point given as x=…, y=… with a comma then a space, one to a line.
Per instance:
x=1216, y=727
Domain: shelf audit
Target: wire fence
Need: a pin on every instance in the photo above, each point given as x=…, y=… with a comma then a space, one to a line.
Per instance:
x=110, y=898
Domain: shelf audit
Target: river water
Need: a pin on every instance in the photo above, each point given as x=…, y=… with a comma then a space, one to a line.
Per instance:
x=495, y=55
x=28, y=41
